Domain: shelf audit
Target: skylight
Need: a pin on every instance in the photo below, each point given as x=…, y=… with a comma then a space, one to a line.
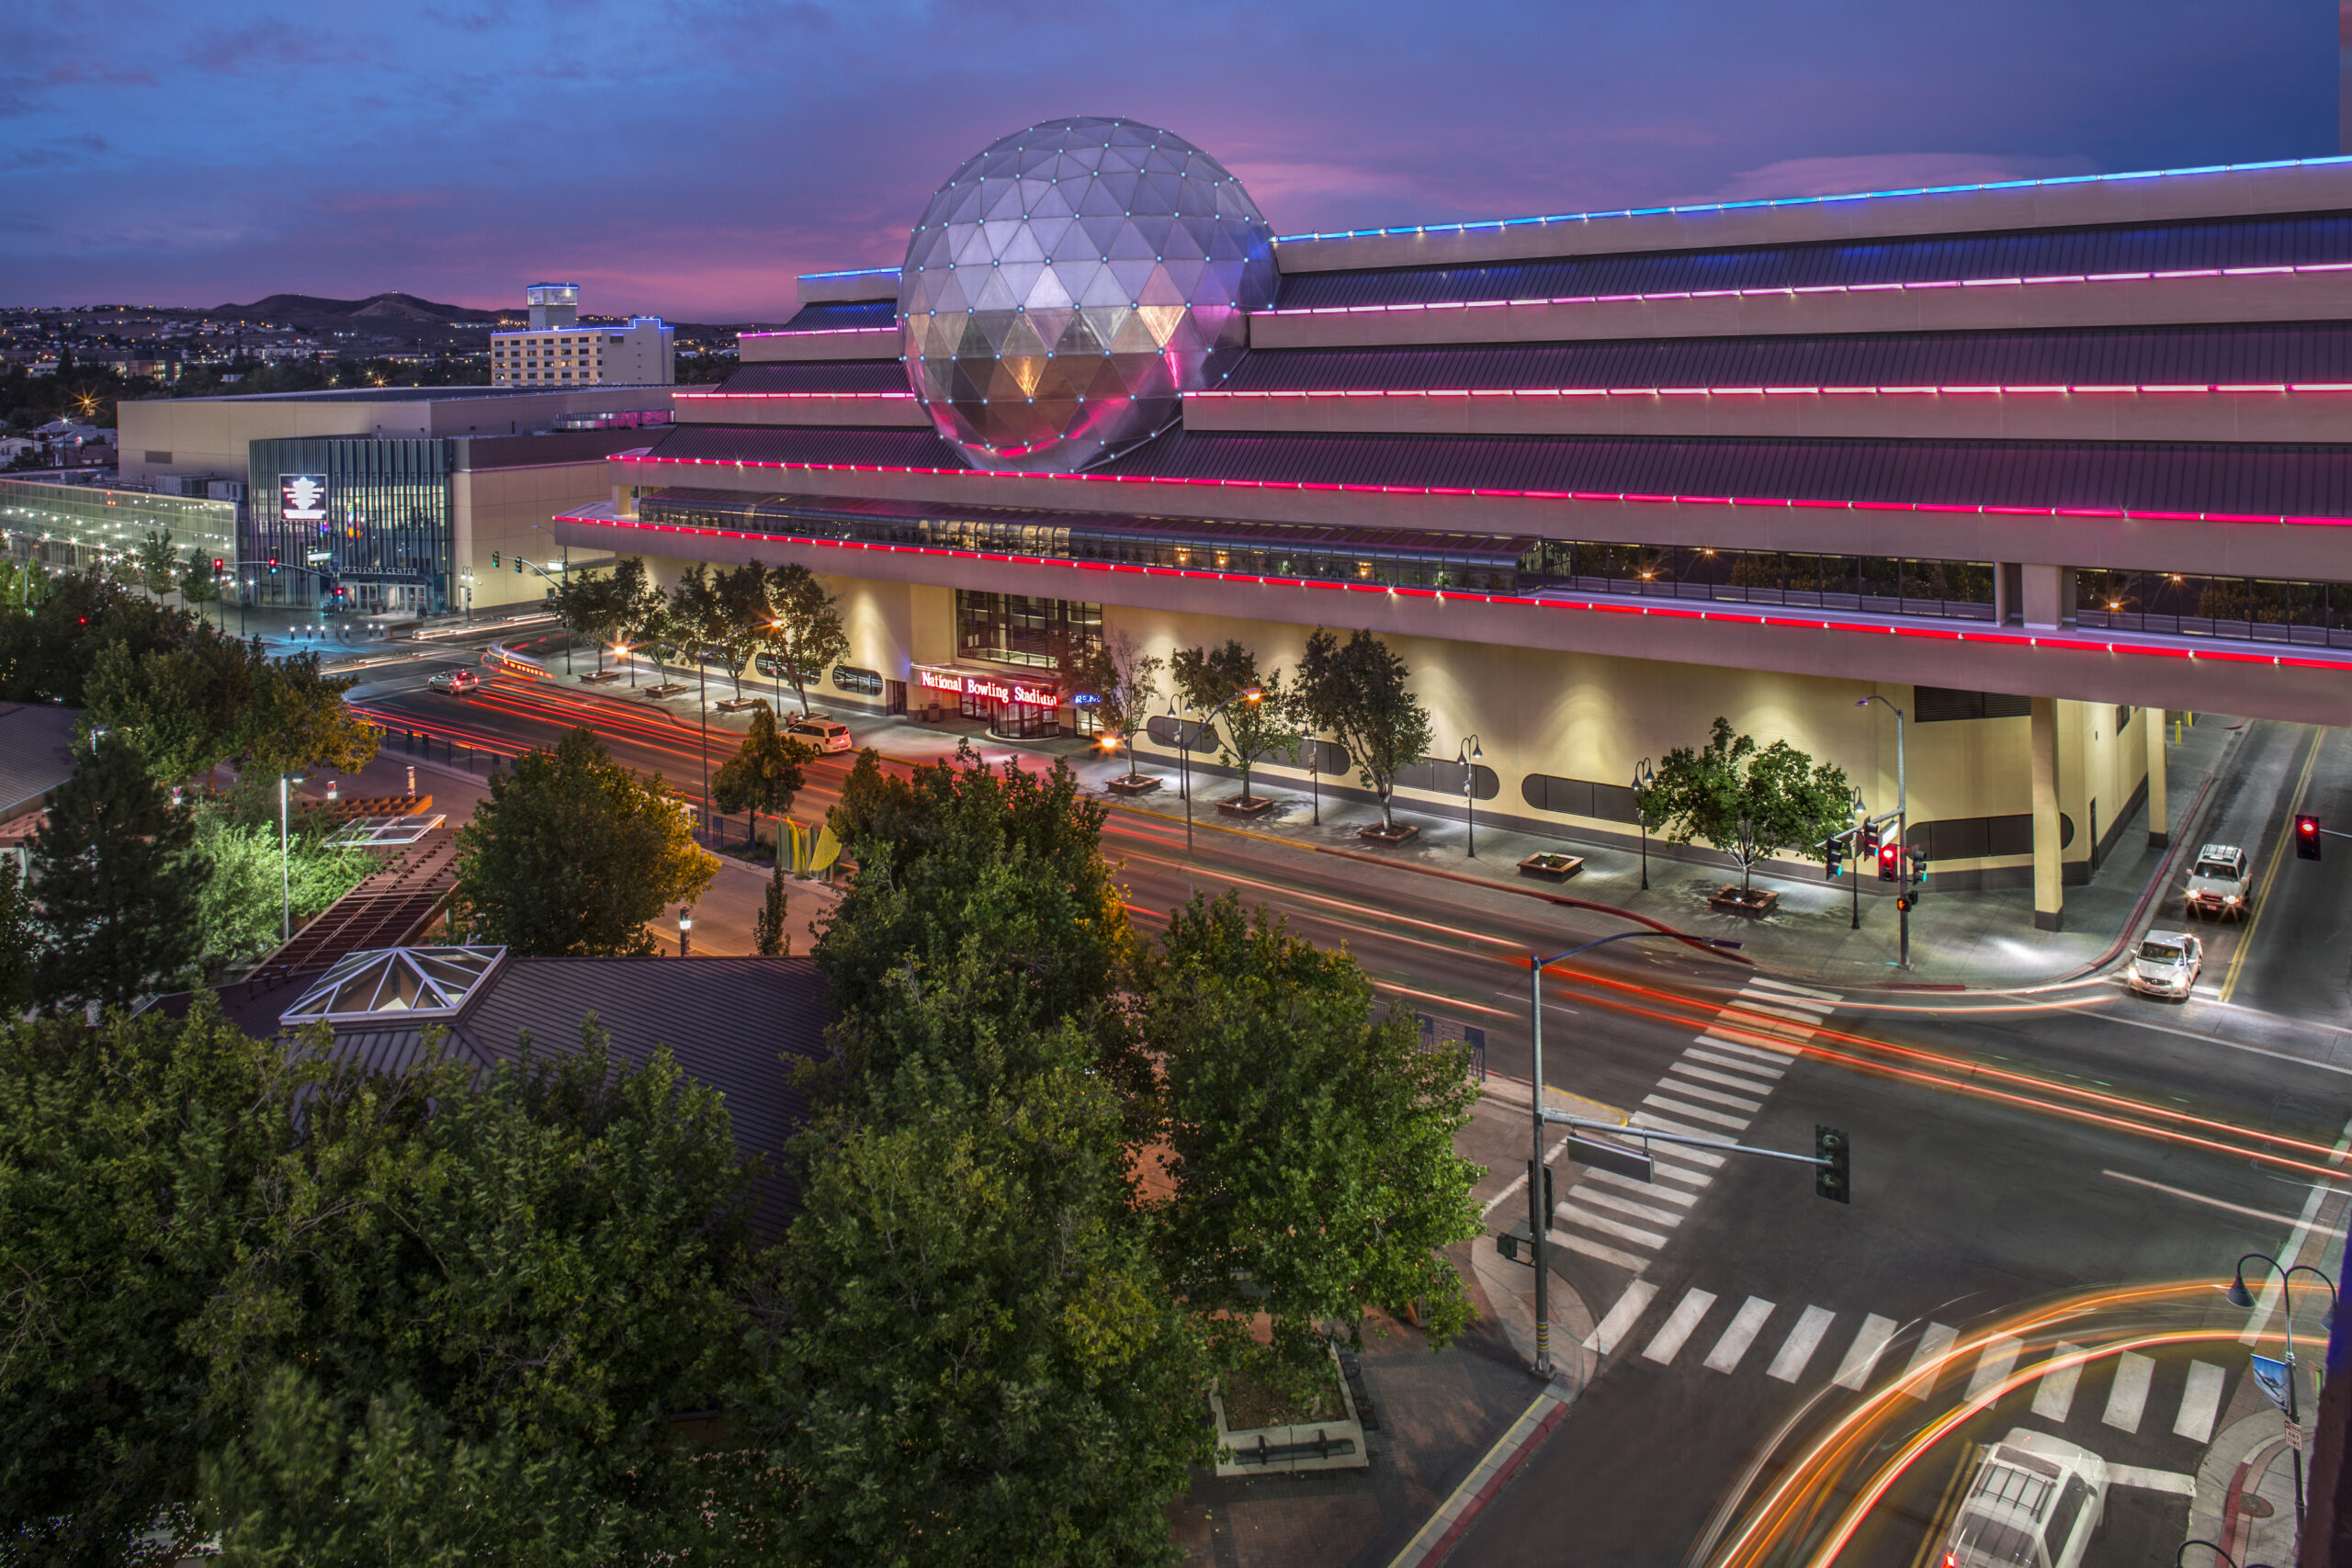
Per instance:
x=395, y=984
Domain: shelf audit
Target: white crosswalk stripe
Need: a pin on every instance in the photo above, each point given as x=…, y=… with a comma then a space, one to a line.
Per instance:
x=1649, y=1190
x=1666, y=1343
x=2200, y=1401
x=1699, y=1091
x=1802, y=1341
x=1999, y=1355
x=1862, y=1357
x=1745, y=1324
x=1831, y=998
x=1564, y=1216
x=1684, y=1108
x=2053, y=1393
x=1600, y=1252
x=2127, y=1401
x=1611, y=1330
x=1932, y=1345
x=1744, y=1088
x=1623, y=1205
x=1747, y=1066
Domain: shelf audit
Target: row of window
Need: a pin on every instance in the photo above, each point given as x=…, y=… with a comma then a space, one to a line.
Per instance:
x=2261, y=609
x=1892, y=585
x=1024, y=629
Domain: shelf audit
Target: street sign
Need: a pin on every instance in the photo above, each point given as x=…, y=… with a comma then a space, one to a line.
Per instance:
x=1436, y=1032
x=2272, y=1375
x=1603, y=1154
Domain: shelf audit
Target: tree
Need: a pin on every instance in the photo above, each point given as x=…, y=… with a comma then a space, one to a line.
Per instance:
x=158, y=567
x=739, y=625
x=182, y=705
x=117, y=881
x=246, y=887
x=695, y=620
x=571, y=855
x=1123, y=680
x=1356, y=690
x=297, y=719
x=1749, y=802
x=1311, y=1139
x=589, y=605
x=769, y=937
x=639, y=607
x=197, y=583
x=1254, y=731
x=764, y=774
x=806, y=632
x=16, y=939
x=48, y=649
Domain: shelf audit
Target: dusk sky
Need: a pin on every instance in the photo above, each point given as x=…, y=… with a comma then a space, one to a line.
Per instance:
x=689, y=159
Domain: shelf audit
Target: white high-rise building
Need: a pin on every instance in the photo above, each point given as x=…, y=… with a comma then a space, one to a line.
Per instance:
x=554, y=351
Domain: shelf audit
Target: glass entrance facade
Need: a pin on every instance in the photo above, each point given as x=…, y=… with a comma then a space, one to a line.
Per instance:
x=354, y=524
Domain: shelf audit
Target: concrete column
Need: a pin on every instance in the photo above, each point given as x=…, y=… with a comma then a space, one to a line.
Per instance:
x=2048, y=870
x=2048, y=596
x=2159, y=823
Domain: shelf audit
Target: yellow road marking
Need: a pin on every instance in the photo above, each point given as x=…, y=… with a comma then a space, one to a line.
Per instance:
x=2270, y=872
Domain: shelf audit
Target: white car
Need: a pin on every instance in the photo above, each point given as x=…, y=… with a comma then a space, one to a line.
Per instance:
x=2034, y=1503
x=2165, y=966
x=2220, y=883
x=823, y=731
x=457, y=682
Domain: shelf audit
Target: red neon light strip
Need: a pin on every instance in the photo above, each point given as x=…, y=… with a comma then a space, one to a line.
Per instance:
x=1211, y=393
x=887, y=397
x=1810, y=288
x=2115, y=512
x=1676, y=612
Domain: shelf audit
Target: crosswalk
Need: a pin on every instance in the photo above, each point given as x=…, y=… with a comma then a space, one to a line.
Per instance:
x=1714, y=1091
x=1727, y=1343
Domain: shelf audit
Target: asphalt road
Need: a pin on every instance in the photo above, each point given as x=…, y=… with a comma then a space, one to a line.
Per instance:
x=2007, y=1149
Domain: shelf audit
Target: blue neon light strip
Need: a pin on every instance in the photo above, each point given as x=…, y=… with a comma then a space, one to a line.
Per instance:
x=851, y=272
x=1803, y=200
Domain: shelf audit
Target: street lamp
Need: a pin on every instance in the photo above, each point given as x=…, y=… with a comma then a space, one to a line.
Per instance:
x=1902, y=837
x=1538, y=1221
x=1643, y=777
x=1470, y=755
x=285, y=859
x=685, y=930
x=2180, y=1558
x=2239, y=1296
x=1247, y=693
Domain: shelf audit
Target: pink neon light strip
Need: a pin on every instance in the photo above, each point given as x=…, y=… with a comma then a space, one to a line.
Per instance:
x=2008, y=640
x=765, y=397
x=1213, y=393
x=822, y=332
x=1810, y=288
x=651, y=459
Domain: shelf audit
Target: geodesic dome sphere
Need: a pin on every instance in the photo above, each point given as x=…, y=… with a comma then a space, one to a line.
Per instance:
x=1068, y=283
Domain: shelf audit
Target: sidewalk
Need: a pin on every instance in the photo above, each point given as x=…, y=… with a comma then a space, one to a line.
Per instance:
x=1959, y=939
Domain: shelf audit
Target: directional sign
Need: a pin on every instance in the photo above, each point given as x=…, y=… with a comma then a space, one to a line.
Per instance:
x=2273, y=1375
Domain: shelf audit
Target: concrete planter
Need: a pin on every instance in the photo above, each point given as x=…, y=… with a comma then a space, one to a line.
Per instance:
x=736, y=704
x=1755, y=903
x=1129, y=788
x=1405, y=833
x=1248, y=806
x=1320, y=1445
x=1550, y=867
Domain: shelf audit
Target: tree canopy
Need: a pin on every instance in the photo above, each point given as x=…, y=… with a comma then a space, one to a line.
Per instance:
x=572, y=854
x=1254, y=731
x=1356, y=690
x=804, y=632
x=765, y=773
x=117, y=881
x=1124, y=682
x=1749, y=801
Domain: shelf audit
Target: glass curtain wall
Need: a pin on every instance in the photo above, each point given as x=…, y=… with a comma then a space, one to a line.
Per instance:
x=1016, y=628
x=1886, y=585
x=2183, y=603
x=385, y=533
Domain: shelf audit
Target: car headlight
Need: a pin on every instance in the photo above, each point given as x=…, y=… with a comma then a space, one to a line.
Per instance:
x=2230, y=898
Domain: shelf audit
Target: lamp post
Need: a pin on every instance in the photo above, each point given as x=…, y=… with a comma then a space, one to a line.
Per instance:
x=1643, y=777
x=1470, y=754
x=1538, y=1221
x=1314, y=775
x=1902, y=844
x=685, y=930
x=2180, y=1558
x=285, y=859
x=2240, y=1296
x=1862, y=814
x=1247, y=693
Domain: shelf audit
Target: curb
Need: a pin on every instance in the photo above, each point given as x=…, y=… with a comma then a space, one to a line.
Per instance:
x=1454, y=1517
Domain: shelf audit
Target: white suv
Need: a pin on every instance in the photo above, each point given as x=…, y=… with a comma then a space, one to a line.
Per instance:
x=821, y=730
x=2220, y=883
x=2034, y=1503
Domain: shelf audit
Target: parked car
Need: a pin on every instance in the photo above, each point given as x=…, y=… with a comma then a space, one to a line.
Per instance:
x=2034, y=1503
x=821, y=730
x=2220, y=883
x=457, y=682
x=2165, y=966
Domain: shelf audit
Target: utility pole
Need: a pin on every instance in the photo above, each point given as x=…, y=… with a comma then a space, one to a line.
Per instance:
x=1902, y=837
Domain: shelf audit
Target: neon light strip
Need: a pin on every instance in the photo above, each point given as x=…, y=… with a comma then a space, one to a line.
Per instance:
x=851, y=272
x=1557, y=602
x=820, y=332
x=1942, y=507
x=1811, y=200
x=1792, y=291
x=698, y=397
x=1211, y=393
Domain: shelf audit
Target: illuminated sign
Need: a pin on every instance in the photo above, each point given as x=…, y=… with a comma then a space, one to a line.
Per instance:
x=302, y=498
x=981, y=687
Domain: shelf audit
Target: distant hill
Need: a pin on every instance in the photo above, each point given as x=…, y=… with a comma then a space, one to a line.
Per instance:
x=310, y=310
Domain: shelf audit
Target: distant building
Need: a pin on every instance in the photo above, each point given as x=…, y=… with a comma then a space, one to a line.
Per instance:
x=554, y=351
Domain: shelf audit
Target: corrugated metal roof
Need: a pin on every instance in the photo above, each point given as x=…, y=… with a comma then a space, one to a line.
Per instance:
x=821, y=376
x=811, y=444
x=2262, y=353
x=2252, y=242
x=831, y=315
x=2160, y=476
x=36, y=752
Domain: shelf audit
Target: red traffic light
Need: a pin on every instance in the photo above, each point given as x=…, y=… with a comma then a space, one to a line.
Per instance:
x=2307, y=838
x=1890, y=860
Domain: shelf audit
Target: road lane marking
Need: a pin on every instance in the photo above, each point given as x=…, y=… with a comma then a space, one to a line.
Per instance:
x=2228, y=1044
x=1830, y=997
x=1777, y=1056
x=2291, y=1252
x=2200, y=1403
x=1709, y=1075
x=1712, y=1096
x=1590, y=1248
x=1565, y=1216
x=1802, y=1341
x=1998, y=1357
x=1932, y=1345
x=2270, y=872
x=2183, y=1192
x=2128, y=1400
x=1770, y=1075
x=1666, y=1343
x=1622, y=1317
x=1669, y=1218
x=1657, y=1123
x=2055, y=1395
x=1862, y=1357
x=1679, y=1108
x=2171, y=1481
x=1744, y=1325
x=1646, y=1189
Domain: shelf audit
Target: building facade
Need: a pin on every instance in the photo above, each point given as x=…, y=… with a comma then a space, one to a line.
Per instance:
x=79, y=528
x=556, y=351
x=2038, y=461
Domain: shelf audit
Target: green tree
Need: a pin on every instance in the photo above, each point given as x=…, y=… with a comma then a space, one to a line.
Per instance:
x=769, y=937
x=640, y=610
x=571, y=855
x=764, y=774
x=1254, y=731
x=47, y=650
x=805, y=633
x=158, y=566
x=181, y=705
x=1356, y=690
x=117, y=884
x=741, y=616
x=1123, y=680
x=1311, y=1139
x=589, y=605
x=198, y=584
x=1750, y=802
x=297, y=719
x=17, y=941
x=242, y=910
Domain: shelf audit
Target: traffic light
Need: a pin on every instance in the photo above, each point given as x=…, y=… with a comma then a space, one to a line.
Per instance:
x=495, y=558
x=1834, y=858
x=2307, y=838
x=518, y=566
x=272, y=566
x=218, y=564
x=1890, y=860
x=1835, y=1179
x=1867, y=837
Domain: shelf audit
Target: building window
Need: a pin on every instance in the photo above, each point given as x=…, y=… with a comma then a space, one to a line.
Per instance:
x=1443, y=775
x=1016, y=628
x=1939, y=705
x=864, y=682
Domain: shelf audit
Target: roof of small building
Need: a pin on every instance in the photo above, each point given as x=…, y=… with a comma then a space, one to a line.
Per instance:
x=36, y=754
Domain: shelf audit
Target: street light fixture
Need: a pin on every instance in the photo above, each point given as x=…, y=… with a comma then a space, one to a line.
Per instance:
x=1469, y=754
x=285, y=859
x=1645, y=776
x=2239, y=1296
x=2180, y=1558
x=1902, y=837
x=685, y=930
